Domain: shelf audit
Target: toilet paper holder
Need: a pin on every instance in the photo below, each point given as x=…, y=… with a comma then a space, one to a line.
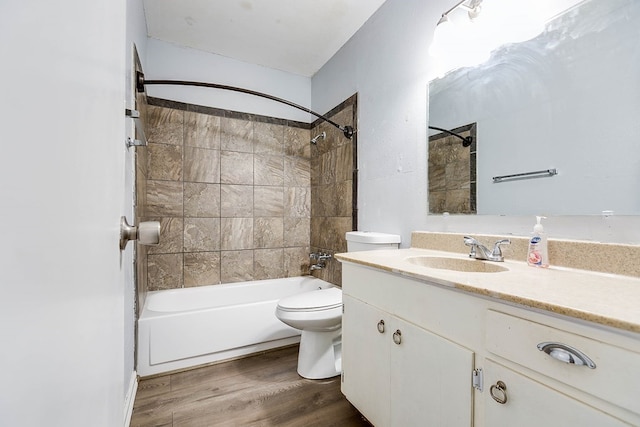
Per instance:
x=146, y=233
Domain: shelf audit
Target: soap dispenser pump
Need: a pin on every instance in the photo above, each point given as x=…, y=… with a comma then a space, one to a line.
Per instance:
x=537, y=255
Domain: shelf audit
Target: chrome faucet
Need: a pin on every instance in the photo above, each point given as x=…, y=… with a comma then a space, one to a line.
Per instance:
x=479, y=251
x=321, y=259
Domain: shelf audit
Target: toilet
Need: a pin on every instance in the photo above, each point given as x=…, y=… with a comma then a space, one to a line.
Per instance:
x=318, y=314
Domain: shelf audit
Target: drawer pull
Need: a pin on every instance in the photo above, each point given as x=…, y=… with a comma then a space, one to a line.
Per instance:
x=381, y=326
x=397, y=337
x=499, y=392
x=566, y=354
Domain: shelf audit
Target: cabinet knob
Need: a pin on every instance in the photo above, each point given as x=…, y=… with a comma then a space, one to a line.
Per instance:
x=381, y=326
x=397, y=337
x=499, y=392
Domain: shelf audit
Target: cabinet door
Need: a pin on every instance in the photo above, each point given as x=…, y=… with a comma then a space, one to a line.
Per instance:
x=430, y=379
x=533, y=404
x=365, y=359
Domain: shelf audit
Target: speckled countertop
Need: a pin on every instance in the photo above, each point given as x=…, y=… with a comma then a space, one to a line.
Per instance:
x=604, y=298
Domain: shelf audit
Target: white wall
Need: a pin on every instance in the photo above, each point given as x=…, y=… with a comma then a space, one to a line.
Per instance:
x=62, y=185
x=168, y=61
x=387, y=63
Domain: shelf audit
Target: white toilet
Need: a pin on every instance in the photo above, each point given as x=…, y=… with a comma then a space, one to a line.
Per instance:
x=318, y=314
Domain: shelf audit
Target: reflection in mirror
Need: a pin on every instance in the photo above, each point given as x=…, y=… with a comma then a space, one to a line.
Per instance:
x=568, y=100
x=452, y=172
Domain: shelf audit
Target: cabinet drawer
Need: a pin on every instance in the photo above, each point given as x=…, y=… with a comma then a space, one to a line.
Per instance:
x=529, y=403
x=615, y=378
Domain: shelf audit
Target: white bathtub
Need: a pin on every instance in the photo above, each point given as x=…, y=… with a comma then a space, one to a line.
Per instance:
x=180, y=328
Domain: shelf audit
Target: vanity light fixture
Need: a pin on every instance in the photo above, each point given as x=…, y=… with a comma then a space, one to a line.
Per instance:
x=141, y=82
x=466, y=141
x=445, y=32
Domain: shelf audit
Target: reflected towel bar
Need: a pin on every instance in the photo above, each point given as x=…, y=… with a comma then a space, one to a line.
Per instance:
x=142, y=142
x=536, y=174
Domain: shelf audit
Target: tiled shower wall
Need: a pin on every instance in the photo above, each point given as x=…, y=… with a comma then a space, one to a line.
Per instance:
x=232, y=194
x=333, y=187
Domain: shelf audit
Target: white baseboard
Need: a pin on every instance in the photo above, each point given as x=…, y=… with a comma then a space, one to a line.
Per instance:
x=130, y=398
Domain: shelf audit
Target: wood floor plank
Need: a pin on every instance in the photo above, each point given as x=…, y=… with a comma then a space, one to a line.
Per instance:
x=261, y=390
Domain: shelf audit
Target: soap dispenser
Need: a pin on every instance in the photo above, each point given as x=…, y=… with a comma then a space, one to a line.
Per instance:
x=537, y=255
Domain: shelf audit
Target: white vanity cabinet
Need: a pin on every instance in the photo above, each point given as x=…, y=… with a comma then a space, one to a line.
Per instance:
x=393, y=374
x=462, y=359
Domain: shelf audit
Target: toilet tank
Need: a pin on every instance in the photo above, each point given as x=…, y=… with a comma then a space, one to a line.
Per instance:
x=371, y=241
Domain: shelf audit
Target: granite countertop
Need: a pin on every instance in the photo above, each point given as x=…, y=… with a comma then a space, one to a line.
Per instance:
x=603, y=298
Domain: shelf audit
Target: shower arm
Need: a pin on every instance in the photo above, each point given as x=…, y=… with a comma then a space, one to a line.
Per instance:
x=348, y=131
x=466, y=141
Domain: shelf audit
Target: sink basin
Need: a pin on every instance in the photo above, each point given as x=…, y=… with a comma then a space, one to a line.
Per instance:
x=457, y=264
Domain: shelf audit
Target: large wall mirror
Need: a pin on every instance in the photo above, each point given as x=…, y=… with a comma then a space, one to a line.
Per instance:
x=567, y=100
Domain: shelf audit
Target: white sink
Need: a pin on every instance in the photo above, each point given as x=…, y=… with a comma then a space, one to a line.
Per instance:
x=457, y=264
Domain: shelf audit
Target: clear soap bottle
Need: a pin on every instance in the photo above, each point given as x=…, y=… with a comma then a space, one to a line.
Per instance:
x=538, y=255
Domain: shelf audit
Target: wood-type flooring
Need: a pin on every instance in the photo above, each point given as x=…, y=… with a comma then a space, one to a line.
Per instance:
x=261, y=390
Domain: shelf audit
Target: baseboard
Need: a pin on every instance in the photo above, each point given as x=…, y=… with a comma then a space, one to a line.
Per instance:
x=130, y=398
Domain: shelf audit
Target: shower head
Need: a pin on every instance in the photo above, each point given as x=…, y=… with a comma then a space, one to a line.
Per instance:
x=315, y=139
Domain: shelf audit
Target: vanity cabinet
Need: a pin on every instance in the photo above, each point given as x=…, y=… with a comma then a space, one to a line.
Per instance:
x=463, y=359
x=393, y=372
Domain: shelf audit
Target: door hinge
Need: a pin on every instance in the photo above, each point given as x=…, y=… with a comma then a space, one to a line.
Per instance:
x=476, y=379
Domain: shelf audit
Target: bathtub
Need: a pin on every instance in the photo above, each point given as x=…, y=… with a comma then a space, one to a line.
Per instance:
x=181, y=328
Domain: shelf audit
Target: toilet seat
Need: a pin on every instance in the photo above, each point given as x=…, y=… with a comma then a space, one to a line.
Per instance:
x=320, y=300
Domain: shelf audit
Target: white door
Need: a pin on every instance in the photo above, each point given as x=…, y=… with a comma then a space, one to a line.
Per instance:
x=430, y=379
x=61, y=196
x=365, y=359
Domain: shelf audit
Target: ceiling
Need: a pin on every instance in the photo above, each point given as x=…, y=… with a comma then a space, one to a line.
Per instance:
x=298, y=36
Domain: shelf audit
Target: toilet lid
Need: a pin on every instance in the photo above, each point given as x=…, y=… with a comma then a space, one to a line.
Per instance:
x=322, y=299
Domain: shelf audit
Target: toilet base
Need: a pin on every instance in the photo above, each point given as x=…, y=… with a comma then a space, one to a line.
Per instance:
x=320, y=354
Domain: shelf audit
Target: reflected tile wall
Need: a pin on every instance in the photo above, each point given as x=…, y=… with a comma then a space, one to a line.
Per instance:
x=232, y=193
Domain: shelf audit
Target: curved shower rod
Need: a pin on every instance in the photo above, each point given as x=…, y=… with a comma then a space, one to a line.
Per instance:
x=348, y=131
x=466, y=141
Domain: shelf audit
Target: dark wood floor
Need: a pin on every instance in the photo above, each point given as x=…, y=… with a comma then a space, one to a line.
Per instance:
x=261, y=390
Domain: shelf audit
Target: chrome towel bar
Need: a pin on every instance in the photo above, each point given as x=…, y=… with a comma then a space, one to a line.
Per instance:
x=525, y=175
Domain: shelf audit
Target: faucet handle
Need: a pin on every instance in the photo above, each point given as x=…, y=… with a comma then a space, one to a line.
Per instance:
x=470, y=241
x=497, y=251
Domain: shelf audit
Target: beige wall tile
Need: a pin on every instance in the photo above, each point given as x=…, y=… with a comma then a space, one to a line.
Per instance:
x=344, y=198
x=268, y=201
x=344, y=162
x=236, y=233
x=201, y=234
x=268, y=169
x=296, y=261
x=297, y=142
x=298, y=202
x=236, y=201
x=164, y=198
x=201, y=165
x=236, y=168
x=201, y=269
x=236, y=266
x=170, y=235
x=297, y=172
x=268, y=232
x=297, y=231
x=268, y=263
x=201, y=130
x=236, y=135
x=201, y=199
x=164, y=271
x=165, y=162
x=164, y=125
x=268, y=138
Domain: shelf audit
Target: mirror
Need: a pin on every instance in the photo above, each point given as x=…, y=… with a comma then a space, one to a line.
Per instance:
x=567, y=100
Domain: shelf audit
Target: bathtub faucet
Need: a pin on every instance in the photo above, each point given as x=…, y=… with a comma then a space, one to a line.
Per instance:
x=321, y=259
